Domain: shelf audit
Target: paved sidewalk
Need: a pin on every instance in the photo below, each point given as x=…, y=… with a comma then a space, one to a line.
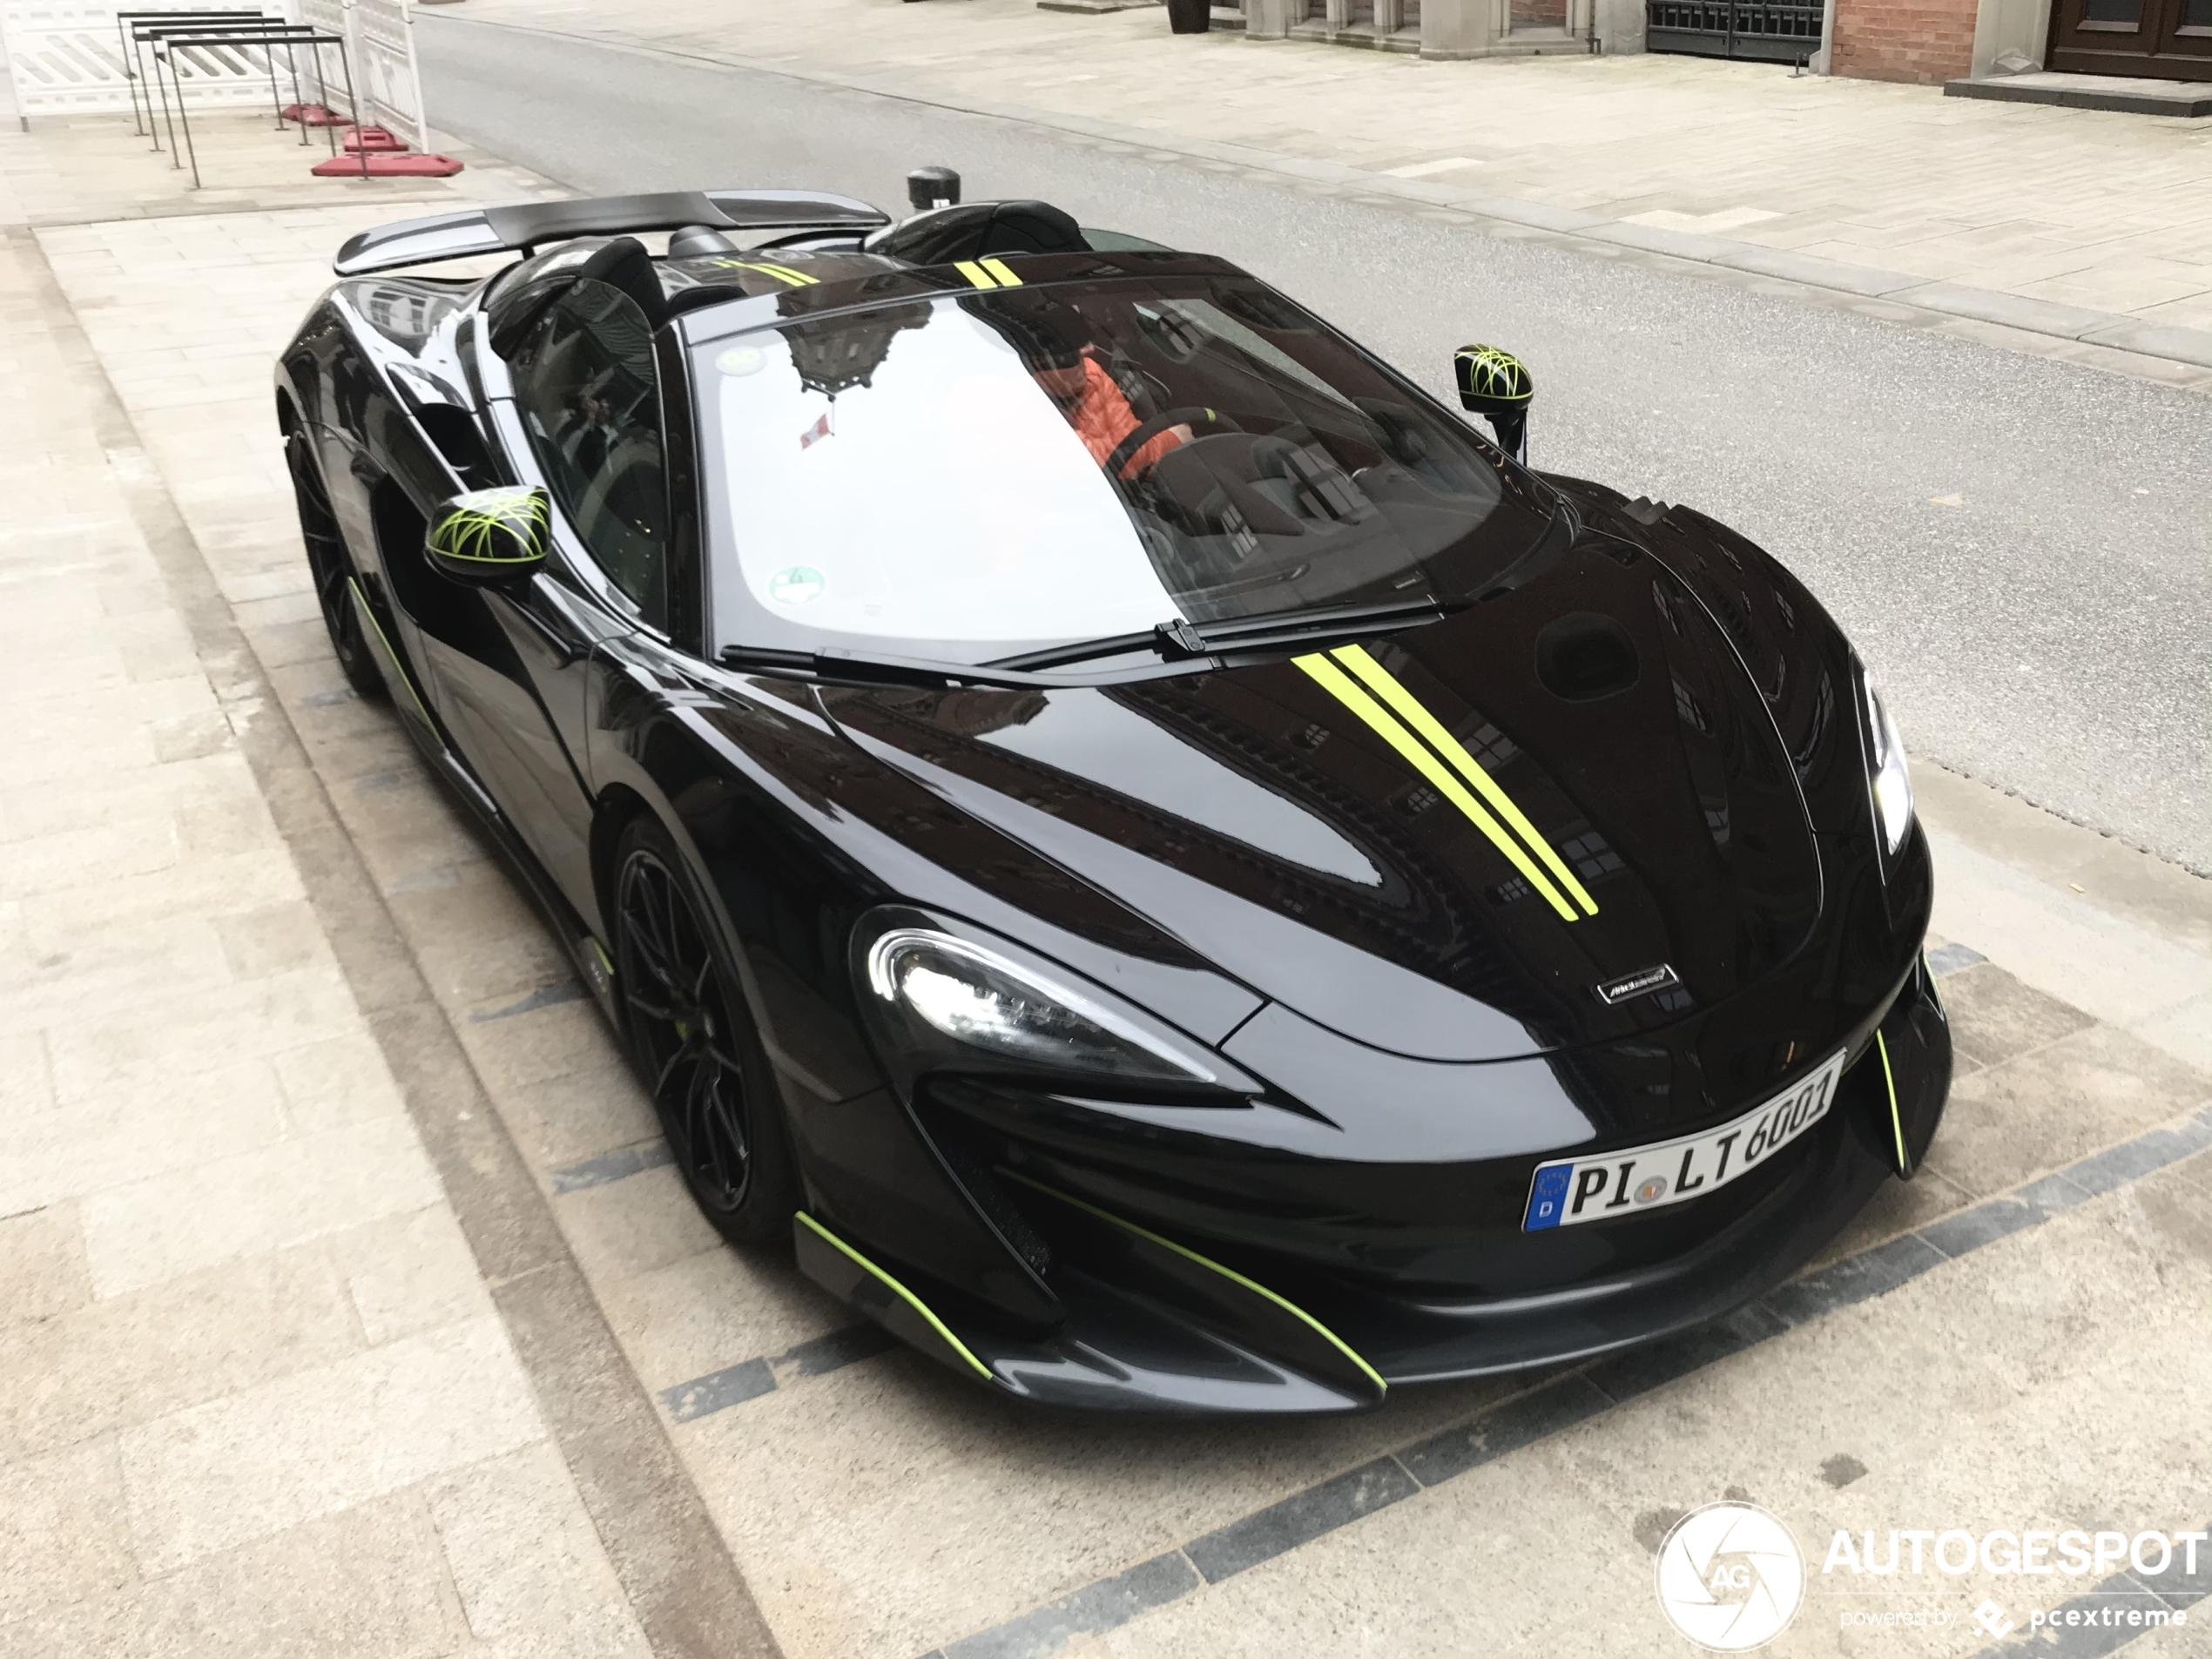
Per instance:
x=2073, y=224
x=255, y=1396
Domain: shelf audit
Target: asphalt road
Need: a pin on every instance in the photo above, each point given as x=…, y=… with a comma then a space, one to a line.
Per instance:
x=2049, y=632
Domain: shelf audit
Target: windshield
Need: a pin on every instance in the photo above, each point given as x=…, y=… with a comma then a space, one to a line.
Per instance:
x=974, y=477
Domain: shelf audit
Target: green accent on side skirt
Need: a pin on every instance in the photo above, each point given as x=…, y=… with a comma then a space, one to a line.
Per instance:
x=902, y=1292
x=1897, y=1119
x=1230, y=1273
x=361, y=610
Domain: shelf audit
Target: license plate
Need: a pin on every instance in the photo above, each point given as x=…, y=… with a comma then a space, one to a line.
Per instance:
x=1574, y=1190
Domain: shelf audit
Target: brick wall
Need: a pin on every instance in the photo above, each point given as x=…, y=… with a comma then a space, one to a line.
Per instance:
x=1903, y=40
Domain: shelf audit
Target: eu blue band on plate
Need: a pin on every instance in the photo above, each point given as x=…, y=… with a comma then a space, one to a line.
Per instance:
x=1547, y=1199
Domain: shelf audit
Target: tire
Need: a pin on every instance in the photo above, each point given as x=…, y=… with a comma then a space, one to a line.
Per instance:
x=331, y=567
x=695, y=1044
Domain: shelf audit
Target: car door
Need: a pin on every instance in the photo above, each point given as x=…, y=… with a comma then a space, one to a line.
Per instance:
x=504, y=669
x=584, y=419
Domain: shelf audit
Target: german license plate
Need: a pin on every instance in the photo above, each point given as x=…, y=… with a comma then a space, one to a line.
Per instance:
x=1573, y=1191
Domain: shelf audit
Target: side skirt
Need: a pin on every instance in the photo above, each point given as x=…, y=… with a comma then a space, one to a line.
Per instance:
x=594, y=966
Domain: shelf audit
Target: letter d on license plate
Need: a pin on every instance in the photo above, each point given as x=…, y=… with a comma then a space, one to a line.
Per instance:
x=1574, y=1190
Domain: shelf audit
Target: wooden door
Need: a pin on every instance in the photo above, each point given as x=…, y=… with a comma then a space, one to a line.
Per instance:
x=2168, y=40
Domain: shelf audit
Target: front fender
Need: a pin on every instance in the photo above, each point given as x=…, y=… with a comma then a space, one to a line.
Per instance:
x=737, y=783
x=1789, y=645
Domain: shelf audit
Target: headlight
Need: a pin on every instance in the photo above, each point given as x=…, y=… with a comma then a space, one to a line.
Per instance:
x=1024, y=1016
x=1890, y=783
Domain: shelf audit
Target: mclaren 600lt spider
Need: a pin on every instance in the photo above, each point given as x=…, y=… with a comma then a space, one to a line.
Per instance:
x=1169, y=863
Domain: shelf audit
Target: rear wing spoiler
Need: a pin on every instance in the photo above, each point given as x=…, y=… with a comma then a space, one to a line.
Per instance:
x=525, y=226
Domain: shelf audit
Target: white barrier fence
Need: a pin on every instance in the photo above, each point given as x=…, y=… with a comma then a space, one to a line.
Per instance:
x=379, y=40
x=65, y=57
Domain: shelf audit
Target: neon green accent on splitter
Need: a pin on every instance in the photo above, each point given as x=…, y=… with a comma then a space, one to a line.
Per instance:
x=1896, y=1118
x=1230, y=1273
x=898, y=1289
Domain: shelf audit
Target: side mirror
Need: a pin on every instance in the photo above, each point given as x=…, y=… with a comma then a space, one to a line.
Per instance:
x=489, y=537
x=1497, y=385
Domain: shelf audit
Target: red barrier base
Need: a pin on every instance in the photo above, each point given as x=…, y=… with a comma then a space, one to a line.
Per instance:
x=387, y=165
x=373, y=139
x=313, y=115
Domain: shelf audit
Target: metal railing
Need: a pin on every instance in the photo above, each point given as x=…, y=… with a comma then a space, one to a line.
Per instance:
x=1771, y=31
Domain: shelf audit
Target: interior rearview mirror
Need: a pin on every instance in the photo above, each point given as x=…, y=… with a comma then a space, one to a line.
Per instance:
x=487, y=537
x=1497, y=386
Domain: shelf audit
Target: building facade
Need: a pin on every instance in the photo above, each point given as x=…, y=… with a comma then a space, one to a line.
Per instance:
x=1925, y=41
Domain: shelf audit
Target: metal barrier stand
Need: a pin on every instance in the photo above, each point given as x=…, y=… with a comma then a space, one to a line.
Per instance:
x=126, y=49
x=287, y=35
x=202, y=34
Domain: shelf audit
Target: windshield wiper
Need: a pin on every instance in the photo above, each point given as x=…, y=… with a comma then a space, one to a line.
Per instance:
x=1183, y=639
x=1180, y=640
x=849, y=667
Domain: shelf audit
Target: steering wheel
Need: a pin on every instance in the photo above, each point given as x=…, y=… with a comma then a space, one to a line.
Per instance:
x=1151, y=429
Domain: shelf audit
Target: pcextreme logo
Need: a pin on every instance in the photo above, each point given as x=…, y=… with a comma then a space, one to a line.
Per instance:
x=1731, y=1577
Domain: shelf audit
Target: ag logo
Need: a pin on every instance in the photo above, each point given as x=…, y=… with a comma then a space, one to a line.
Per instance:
x=1731, y=1577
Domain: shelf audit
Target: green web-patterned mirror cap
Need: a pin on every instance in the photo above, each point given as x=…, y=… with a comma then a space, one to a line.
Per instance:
x=493, y=527
x=1488, y=375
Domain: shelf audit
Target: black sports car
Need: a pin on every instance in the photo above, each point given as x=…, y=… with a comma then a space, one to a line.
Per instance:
x=1176, y=869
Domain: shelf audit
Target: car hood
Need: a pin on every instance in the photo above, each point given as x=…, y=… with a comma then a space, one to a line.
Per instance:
x=1316, y=828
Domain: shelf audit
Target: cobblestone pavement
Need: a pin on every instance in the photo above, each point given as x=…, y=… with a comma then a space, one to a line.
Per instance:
x=2075, y=217
x=299, y=1353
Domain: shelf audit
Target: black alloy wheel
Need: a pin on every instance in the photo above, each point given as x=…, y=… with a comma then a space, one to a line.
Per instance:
x=330, y=566
x=693, y=1040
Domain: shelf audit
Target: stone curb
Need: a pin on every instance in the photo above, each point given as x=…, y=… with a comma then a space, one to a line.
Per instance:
x=2114, y=329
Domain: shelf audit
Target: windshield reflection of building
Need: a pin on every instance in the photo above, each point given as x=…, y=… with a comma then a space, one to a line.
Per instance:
x=1423, y=908
x=1384, y=886
x=839, y=354
x=979, y=713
